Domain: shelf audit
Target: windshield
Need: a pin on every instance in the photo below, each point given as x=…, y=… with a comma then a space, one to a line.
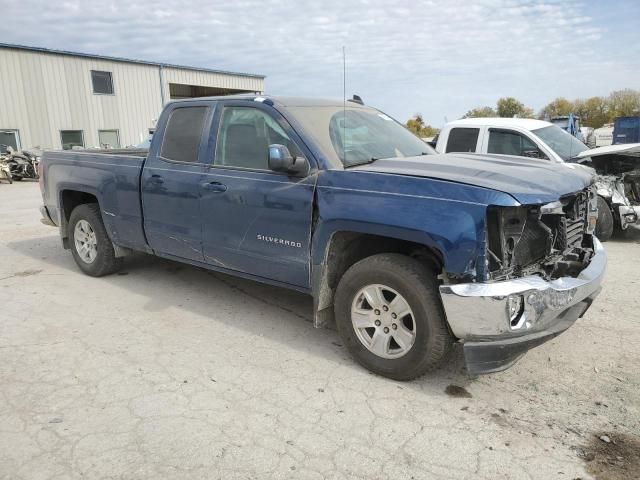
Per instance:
x=564, y=144
x=561, y=122
x=356, y=135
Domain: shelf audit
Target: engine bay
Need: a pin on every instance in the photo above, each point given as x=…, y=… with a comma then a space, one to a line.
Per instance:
x=618, y=182
x=552, y=240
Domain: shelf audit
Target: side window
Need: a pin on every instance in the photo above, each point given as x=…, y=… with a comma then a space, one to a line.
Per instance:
x=462, y=140
x=245, y=135
x=507, y=142
x=181, y=140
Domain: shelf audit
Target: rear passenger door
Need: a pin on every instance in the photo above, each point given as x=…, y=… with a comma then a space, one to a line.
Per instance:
x=462, y=139
x=171, y=178
x=255, y=220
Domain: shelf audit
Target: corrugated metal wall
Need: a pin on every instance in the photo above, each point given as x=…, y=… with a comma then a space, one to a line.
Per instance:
x=207, y=79
x=42, y=94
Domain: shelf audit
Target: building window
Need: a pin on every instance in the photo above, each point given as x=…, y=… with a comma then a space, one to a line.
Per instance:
x=462, y=140
x=181, y=141
x=71, y=138
x=102, y=82
x=109, y=138
x=10, y=138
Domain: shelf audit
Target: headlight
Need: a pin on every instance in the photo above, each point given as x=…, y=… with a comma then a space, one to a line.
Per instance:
x=515, y=309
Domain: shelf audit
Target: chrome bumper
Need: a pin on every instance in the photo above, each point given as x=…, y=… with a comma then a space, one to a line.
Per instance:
x=628, y=215
x=478, y=313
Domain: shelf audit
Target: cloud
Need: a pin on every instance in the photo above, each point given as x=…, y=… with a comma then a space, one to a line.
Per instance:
x=440, y=58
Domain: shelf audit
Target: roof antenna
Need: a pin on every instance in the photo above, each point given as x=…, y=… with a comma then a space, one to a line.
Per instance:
x=344, y=104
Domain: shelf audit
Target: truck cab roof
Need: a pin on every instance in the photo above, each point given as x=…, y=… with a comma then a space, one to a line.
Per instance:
x=283, y=101
x=525, y=123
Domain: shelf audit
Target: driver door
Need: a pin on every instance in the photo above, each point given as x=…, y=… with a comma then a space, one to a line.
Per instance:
x=254, y=220
x=510, y=142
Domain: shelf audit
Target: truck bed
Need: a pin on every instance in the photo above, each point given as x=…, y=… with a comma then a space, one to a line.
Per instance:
x=125, y=152
x=112, y=176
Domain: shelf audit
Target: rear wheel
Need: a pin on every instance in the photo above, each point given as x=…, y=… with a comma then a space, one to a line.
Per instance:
x=389, y=315
x=604, y=226
x=90, y=245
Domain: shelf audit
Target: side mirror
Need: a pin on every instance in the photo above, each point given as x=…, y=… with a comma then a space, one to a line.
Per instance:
x=535, y=154
x=281, y=160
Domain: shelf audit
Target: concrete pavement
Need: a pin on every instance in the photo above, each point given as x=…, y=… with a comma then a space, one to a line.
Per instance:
x=170, y=371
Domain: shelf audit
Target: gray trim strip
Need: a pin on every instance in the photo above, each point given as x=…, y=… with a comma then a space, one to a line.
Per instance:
x=125, y=60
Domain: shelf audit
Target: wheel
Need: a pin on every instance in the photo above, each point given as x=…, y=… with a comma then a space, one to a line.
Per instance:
x=604, y=226
x=389, y=315
x=90, y=245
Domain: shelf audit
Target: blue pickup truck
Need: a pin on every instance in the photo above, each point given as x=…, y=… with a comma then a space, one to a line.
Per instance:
x=407, y=251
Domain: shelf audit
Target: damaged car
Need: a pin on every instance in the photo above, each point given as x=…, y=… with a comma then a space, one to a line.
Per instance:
x=407, y=251
x=617, y=182
x=616, y=168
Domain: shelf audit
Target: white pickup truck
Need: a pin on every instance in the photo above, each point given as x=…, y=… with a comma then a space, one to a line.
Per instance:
x=617, y=166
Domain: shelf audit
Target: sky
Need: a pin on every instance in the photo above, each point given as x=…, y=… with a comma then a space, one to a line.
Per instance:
x=439, y=58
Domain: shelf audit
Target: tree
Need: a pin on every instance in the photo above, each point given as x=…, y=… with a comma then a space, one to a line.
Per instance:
x=624, y=103
x=480, y=112
x=509, y=107
x=558, y=108
x=593, y=112
x=418, y=127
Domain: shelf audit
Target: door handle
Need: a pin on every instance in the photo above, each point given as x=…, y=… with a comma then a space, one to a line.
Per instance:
x=157, y=179
x=215, y=187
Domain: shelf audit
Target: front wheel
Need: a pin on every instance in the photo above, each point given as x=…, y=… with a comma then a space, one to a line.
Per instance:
x=605, y=223
x=389, y=315
x=90, y=245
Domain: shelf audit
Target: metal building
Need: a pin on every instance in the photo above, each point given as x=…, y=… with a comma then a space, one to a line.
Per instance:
x=55, y=99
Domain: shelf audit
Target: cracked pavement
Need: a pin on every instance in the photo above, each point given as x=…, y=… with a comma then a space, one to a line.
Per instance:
x=170, y=371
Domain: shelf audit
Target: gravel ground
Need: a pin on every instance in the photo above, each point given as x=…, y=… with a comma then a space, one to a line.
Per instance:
x=169, y=371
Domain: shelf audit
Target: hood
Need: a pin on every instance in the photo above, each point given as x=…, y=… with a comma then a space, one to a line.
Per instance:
x=529, y=181
x=630, y=149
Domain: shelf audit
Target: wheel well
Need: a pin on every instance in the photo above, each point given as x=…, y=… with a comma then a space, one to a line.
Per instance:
x=347, y=248
x=70, y=199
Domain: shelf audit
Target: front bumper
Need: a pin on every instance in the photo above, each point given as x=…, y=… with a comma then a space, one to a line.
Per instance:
x=628, y=215
x=478, y=313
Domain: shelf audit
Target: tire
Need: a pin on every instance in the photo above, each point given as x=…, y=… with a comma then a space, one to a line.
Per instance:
x=416, y=284
x=105, y=261
x=604, y=227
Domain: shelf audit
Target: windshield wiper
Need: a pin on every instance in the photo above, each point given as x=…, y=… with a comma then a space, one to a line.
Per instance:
x=363, y=162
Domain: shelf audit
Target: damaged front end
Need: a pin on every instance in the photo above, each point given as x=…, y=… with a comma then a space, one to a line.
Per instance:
x=544, y=268
x=618, y=182
x=552, y=240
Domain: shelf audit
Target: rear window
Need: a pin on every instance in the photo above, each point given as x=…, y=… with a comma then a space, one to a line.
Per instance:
x=462, y=140
x=182, y=137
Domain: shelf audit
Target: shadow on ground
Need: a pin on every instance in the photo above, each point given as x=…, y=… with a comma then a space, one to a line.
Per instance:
x=191, y=288
x=630, y=235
